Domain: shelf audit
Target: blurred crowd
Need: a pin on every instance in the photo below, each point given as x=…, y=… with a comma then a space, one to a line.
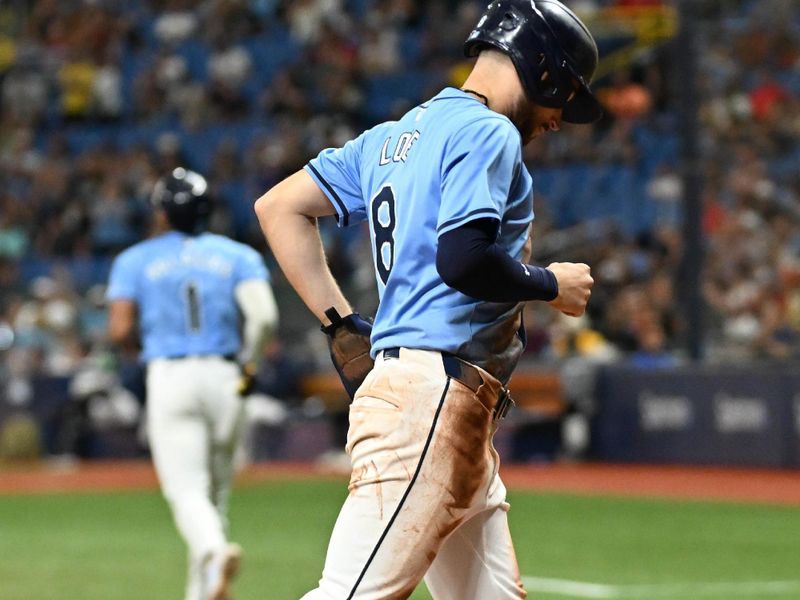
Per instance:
x=100, y=97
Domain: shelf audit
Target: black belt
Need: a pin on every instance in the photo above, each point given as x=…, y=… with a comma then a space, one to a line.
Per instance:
x=467, y=374
x=228, y=357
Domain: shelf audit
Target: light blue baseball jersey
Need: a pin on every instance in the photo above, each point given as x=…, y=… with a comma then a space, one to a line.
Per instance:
x=184, y=289
x=444, y=163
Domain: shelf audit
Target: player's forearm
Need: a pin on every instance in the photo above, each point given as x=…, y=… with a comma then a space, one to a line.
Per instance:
x=122, y=320
x=469, y=260
x=295, y=242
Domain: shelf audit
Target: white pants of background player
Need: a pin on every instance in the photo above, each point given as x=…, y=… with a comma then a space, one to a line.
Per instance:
x=194, y=418
x=425, y=496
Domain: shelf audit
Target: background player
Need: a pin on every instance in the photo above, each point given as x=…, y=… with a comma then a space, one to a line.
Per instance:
x=449, y=205
x=186, y=290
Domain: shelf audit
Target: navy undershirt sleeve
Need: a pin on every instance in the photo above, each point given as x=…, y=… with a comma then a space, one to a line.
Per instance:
x=469, y=260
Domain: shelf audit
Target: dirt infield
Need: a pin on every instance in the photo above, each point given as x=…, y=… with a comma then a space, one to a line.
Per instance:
x=720, y=484
x=690, y=483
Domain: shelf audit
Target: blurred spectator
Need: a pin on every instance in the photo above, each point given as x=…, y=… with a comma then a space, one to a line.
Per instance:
x=627, y=99
x=229, y=66
x=279, y=373
x=25, y=86
x=97, y=404
x=77, y=79
x=14, y=239
x=176, y=21
x=380, y=50
x=665, y=191
x=110, y=214
x=307, y=18
x=107, y=101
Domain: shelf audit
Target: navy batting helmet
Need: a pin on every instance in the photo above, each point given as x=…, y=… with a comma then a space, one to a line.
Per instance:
x=183, y=195
x=552, y=50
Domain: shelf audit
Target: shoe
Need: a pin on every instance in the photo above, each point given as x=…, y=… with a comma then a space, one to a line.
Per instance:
x=220, y=571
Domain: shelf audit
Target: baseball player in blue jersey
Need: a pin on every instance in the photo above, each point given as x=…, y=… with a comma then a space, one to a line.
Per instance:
x=203, y=308
x=449, y=205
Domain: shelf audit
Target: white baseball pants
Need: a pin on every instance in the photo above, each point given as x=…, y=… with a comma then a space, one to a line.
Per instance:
x=425, y=497
x=194, y=418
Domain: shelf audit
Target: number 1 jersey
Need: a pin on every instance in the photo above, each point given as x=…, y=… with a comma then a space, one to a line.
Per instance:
x=184, y=289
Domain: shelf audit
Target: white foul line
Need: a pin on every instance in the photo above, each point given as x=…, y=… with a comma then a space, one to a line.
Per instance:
x=565, y=587
x=726, y=589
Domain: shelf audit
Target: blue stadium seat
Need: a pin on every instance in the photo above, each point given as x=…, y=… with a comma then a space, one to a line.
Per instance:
x=786, y=166
x=582, y=192
x=385, y=91
x=196, y=54
x=410, y=46
x=358, y=7
x=234, y=194
x=543, y=181
x=131, y=66
x=83, y=139
x=271, y=52
x=655, y=148
x=200, y=146
x=550, y=187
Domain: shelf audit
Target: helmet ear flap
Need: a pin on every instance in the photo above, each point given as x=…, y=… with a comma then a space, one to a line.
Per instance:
x=553, y=83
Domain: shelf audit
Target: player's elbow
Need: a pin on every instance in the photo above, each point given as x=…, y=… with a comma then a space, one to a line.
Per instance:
x=457, y=261
x=265, y=207
x=275, y=211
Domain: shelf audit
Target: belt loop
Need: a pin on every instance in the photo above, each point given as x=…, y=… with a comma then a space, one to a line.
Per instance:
x=452, y=366
x=391, y=353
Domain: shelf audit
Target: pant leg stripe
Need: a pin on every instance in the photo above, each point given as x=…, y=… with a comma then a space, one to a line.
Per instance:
x=405, y=494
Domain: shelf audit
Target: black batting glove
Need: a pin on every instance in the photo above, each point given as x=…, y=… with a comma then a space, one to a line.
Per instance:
x=349, y=345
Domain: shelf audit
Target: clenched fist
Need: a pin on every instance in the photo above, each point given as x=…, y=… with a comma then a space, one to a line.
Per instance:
x=574, y=287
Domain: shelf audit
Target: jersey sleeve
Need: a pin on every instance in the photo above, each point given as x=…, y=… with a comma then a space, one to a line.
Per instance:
x=251, y=266
x=122, y=278
x=479, y=165
x=337, y=171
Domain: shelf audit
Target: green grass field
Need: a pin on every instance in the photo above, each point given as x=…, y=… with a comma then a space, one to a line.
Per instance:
x=122, y=546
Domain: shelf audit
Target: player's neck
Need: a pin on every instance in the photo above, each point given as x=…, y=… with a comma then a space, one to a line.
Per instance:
x=494, y=81
x=160, y=223
x=477, y=95
x=479, y=88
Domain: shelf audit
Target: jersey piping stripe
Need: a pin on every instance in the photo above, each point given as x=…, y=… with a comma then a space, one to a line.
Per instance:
x=468, y=217
x=333, y=195
x=406, y=493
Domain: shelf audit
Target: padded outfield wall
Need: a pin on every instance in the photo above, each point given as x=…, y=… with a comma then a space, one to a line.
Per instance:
x=698, y=415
